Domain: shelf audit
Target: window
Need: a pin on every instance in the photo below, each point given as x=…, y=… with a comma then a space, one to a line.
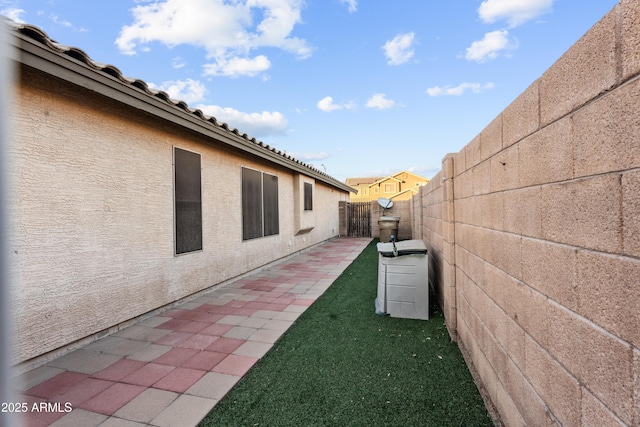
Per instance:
x=389, y=188
x=308, y=197
x=259, y=204
x=187, y=201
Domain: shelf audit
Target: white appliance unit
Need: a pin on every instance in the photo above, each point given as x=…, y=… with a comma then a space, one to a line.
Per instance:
x=403, y=279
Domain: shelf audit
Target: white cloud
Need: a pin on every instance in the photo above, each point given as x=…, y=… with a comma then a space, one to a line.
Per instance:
x=327, y=105
x=257, y=125
x=460, y=89
x=380, y=101
x=399, y=49
x=235, y=67
x=514, y=12
x=490, y=46
x=59, y=21
x=183, y=90
x=178, y=62
x=225, y=29
x=14, y=14
x=353, y=5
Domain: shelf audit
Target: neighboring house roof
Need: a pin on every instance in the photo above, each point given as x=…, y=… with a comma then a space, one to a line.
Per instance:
x=386, y=178
x=404, y=191
x=37, y=50
x=363, y=180
x=405, y=172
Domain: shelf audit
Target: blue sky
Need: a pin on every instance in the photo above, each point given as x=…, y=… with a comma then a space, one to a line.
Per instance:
x=352, y=87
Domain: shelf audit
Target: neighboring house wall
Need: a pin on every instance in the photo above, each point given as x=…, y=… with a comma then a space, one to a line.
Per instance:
x=410, y=181
x=385, y=188
x=362, y=195
x=393, y=186
x=536, y=251
x=92, y=238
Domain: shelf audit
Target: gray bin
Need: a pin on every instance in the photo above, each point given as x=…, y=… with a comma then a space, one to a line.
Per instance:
x=403, y=280
x=388, y=226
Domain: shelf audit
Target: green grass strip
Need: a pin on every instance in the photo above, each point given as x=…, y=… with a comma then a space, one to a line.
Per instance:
x=340, y=364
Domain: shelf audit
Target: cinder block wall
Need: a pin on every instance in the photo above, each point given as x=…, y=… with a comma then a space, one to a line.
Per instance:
x=533, y=231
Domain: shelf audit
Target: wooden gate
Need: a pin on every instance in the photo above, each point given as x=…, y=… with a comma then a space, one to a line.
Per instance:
x=359, y=219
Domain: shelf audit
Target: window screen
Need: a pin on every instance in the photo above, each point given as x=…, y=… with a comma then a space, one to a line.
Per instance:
x=308, y=197
x=260, y=216
x=187, y=201
x=251, y=204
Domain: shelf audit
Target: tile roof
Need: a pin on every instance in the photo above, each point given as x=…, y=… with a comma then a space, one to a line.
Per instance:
x=38, y=35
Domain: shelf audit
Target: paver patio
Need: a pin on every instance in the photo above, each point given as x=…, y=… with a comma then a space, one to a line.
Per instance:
x=171, y=369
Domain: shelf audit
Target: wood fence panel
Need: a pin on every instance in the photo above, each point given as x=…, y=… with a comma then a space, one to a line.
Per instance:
x=359, y=219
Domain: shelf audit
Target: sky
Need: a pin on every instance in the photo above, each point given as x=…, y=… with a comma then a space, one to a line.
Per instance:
x=354, y=88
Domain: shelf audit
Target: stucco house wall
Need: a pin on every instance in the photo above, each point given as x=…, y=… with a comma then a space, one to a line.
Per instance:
x=92, y=200
x=533, y=231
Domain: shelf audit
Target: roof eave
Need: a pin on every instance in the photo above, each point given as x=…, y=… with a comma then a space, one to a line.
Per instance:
x=35, y=55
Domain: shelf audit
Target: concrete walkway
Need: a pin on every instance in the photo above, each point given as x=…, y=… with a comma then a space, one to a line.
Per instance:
x=171, y=369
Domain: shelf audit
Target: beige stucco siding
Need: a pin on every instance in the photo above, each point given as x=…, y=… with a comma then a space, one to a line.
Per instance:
x=92, y=241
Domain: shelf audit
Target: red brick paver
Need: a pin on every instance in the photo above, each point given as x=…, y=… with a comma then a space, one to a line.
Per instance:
x=175, y=366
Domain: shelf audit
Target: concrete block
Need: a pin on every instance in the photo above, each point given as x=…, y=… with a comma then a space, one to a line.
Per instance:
x=509, y=411
x=448, y=254
x=606, y=133
x=448, y=171
x=607, y=287
x=630, y=217
x=447, y=192
x=448, y=211
x=472, y=211
x=481, y=178
x=496, y=355
x=504, y=169
x=586, y=70
x=459, y=162
x=483, y=243
x=492, y=208
x=550, y=269
x=507, y=253
x=600, y=362
x=528, y=308
x=547, y=155
x=462, y=236
x=496, y=285
x=557, y=387
x=491, y=139
x=463, y=186
x=522, y=212
x=472, y=152
x=462, y=209
x=475, y=268
x=512, y=338
x=630, y=37
x=584, y=213
x=636, y=377
x=522, y=117
x=594, y=413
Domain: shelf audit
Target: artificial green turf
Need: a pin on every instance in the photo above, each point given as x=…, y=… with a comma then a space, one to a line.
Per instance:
x=340, y=364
